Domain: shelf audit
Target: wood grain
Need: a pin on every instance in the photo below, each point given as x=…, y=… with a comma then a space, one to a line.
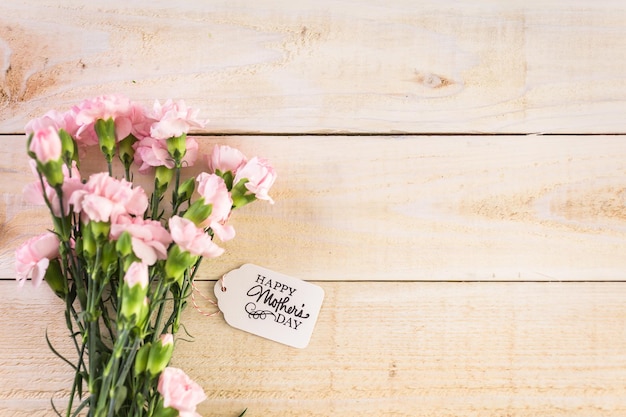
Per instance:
x=326, y=66
x=379, y=349
x=438, y=254
x=408, y=208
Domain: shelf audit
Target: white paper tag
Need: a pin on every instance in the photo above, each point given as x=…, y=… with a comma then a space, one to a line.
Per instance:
x=269, y=304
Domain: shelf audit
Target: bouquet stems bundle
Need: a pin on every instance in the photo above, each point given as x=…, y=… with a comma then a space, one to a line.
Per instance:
x=123, y=261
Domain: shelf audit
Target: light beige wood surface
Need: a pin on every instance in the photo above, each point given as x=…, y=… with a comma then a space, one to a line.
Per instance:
x=439, y=254
x=318, y=66
x=381, y=349
x=410, y=208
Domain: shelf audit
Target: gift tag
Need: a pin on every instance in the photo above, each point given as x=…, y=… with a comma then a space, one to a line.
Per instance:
x=269, y=304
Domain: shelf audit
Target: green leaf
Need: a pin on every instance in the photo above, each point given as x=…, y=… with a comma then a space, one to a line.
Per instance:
x=58, y=354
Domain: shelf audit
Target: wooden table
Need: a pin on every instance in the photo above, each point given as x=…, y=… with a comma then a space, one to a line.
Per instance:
x=453, y=174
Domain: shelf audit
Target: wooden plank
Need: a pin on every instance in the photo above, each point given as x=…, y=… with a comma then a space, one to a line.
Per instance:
x=403, y=349
x=399, y=66
x=408, y=208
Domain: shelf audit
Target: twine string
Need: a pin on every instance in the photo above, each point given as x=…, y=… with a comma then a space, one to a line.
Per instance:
x=208, y=299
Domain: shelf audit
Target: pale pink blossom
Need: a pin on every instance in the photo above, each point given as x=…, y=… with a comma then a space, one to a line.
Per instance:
x=84, y=135
x=33, y=257
x=180, y=392
x=193, y=239
x=55, y=119
x=149, y=239
x=141, y=122
x=33, y=192
x=213, y=189
x=105, y=198
x=260, y=175
x=151, y=152
x=173, y=119
x=225, y=158
x=137, y=274
x=116, y=107
x=46, y=144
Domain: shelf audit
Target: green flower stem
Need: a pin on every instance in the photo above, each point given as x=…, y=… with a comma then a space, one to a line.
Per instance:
x=107, y=321
x=77, y=380
x=78, y=279
x=181, y=302
x=65, y=232
x=155, y=199
x=159, y=294
x=71, y=265
x=175, y=200
x=93, y=360
x=91, y=317
x=127, y=173
x=109, y=375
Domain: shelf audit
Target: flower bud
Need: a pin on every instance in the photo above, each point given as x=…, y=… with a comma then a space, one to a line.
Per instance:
x=141, y=358
x=137, y=276
x=88, y=242
x=160, y=354
x=124, y=244
x=100, y=230
x=68, y=147
x=46, y=148
x=126, y=151
x=186, y=189
x=109, y=256
x=46, y=145
x=198, y=212
x=177, y=263
x=177, y=147
x=134, y=292
x=53, y=171
x=105, y=129
x=162, y=177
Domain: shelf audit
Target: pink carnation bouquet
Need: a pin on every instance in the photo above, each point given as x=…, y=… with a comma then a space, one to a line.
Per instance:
x=123, y=261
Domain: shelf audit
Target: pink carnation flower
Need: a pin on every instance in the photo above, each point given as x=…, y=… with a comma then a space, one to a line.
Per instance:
x=173, y=119
x=192, y=239
x=226, y=159
x=149, y=239
x=141, y=122
x=180, y=392
x=46, y=144
x=55, y=119
x=151, y=152
x=213, y=189
x=33, y=257
x=105, y=198
x=33, y=193
x=260, y=175
x=117, y=107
